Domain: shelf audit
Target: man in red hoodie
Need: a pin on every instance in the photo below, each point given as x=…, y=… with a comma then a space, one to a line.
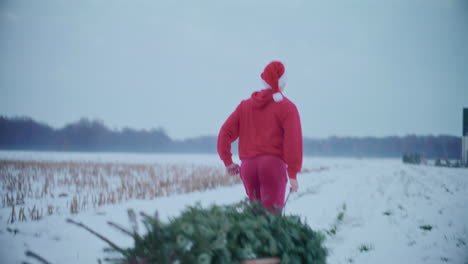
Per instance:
x=270, y=141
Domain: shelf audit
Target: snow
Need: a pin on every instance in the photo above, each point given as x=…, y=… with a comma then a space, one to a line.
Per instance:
x=384, y=204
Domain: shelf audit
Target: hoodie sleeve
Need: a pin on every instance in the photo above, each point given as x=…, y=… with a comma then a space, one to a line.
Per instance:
x=229, y=133
x=292, y=144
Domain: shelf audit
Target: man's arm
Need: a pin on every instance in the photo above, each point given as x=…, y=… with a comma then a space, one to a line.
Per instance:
x=229, y=133
x=292, y=145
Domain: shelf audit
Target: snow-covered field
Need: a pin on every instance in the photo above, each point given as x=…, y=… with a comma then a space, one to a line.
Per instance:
x=373, y=211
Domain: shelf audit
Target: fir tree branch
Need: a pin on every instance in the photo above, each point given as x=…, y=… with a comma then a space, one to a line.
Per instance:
x=37, y=257
x=123, y=230
x=98, y=235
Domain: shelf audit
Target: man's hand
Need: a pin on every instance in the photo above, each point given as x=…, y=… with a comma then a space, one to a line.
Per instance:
x=294, y=185
x=233, y=169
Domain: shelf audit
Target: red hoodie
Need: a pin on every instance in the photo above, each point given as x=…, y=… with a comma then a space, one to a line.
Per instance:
x=264, y=126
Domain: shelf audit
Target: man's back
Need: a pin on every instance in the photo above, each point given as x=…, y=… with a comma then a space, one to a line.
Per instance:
x=264, y=127
x=261, y=124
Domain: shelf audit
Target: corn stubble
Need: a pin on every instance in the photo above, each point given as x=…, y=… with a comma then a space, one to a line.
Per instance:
x=35, y=189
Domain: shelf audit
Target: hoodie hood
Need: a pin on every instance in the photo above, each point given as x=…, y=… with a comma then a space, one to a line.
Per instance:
x=262, y=98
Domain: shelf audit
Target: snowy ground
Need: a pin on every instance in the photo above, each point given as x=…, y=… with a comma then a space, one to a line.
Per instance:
x=384, y=206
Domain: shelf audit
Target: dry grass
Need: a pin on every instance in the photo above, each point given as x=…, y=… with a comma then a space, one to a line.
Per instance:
x=48, y=187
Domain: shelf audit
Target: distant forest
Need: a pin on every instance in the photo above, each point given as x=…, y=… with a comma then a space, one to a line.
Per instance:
x=91, y=135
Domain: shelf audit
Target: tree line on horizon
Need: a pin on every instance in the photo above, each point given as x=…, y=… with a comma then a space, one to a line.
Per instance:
x=23, y=133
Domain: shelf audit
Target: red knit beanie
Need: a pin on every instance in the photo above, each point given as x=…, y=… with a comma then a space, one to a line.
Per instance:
x=272, y=75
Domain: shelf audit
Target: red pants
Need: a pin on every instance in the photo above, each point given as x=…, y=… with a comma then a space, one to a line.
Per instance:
x=265, y=179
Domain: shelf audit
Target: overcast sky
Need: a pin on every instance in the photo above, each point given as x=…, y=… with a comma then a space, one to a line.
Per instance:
x=354, y=68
